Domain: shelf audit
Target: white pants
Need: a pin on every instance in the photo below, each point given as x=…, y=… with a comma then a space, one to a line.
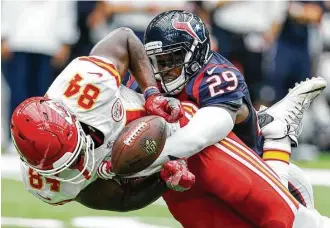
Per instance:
x=300, y=187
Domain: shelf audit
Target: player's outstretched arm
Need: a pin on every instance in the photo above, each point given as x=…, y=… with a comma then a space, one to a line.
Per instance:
x=208, y=126
x=125, y=50
x=127, y=196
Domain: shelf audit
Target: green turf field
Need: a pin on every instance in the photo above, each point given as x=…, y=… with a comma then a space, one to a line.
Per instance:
x=16, y=202
x=323, y=162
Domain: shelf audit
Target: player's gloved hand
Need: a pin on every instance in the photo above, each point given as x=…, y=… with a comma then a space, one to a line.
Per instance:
x=156, y=104
x=177, y=176
x=104, y=170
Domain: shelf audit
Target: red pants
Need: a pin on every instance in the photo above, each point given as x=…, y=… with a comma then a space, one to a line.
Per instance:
x=234, y=188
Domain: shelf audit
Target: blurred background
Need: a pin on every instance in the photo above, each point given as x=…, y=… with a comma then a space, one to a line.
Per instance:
x=274, y=43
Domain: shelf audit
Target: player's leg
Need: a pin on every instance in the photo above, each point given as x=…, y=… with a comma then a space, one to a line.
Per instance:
x=300, y=187
x=285, y=117
x=201, y=210
x=239, y=177
x=196, y=208
x=236, y=175
x=308, y=218
x=281, y=124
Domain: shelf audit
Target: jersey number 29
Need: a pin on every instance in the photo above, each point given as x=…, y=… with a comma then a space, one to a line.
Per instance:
x=227, y=77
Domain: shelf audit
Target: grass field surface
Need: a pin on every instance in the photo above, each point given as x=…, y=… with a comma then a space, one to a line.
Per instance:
x=323, y=162
x=18, y=203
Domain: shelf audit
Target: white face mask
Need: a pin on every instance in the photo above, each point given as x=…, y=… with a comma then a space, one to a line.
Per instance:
x=175, y=87
x=85, y=145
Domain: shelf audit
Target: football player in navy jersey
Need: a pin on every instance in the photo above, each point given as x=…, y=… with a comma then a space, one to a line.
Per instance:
x=178, y=45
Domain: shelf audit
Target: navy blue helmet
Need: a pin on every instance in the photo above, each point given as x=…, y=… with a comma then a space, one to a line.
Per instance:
x=178, y=45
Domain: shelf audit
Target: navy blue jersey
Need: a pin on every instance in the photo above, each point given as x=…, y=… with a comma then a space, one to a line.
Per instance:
x=219, y=83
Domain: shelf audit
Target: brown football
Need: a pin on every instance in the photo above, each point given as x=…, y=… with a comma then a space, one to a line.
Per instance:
x=138, y=145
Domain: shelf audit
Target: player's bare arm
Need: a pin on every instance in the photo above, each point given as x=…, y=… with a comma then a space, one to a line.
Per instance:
x=126, y=195
x=242, y=114
x=126, y=51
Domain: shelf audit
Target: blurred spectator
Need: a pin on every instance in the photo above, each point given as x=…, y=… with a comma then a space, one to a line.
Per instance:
x=198, y=7
x=239, y=27
x=320, y=112
x=5, y=98
x=290, y=61
x=317, y=118
x=35, y=38
x=135, y=15
x=90, y=14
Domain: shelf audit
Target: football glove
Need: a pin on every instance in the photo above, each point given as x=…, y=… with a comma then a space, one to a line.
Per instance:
x=156, y=104
x=177, y=176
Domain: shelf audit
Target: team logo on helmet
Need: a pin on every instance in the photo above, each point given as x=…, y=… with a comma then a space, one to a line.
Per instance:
x=187, y=27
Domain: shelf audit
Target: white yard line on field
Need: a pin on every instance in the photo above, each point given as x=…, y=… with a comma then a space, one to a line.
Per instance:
x=32, y=223
x=82, y=222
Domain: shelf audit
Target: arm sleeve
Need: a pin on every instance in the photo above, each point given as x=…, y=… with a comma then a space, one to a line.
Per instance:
x=208, y=126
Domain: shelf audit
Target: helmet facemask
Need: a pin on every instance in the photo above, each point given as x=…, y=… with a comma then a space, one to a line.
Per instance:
x=171, y=32
x=84, y=150
x=165, y=59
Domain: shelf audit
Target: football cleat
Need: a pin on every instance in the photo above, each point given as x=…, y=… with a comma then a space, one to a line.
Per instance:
x=285, y=117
